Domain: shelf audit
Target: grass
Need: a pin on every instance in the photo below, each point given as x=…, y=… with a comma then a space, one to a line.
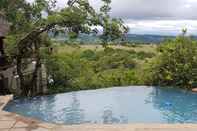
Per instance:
x=76, y=48
x=68, y=49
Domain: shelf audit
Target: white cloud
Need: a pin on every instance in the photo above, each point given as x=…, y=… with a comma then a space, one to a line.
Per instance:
x=164, y=27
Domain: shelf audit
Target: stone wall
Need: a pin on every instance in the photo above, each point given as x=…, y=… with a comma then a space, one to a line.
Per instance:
x=4, y=26
x=12, y=82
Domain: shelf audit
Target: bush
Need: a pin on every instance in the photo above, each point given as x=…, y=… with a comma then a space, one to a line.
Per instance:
x=90, y=70
x=89, y=55
x=176, y=64
x=142, y=55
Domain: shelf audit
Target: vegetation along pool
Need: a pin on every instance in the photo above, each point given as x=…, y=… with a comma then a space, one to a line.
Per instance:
x=120, y=105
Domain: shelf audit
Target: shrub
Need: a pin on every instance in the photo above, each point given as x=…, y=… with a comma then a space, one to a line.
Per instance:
x=176, y=64
x=91, y=69
x=89, y=55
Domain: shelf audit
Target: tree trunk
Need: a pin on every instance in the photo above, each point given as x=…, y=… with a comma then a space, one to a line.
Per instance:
x=24, y=90
x=27, y=89
x=34, y=81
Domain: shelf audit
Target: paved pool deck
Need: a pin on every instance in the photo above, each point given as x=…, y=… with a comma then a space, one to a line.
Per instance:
x=14, y=122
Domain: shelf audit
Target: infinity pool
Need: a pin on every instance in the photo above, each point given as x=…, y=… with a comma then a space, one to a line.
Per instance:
x=120, y=105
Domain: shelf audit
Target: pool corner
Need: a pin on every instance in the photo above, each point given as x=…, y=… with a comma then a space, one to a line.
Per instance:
x=14, y=122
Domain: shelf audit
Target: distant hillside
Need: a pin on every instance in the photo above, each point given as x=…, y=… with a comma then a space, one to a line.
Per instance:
x=146, y=38
x=83, y=38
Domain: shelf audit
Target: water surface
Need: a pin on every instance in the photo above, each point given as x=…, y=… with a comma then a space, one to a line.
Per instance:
x=120, y=105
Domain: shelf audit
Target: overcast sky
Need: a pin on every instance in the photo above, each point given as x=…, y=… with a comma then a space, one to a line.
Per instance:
x=165, y=17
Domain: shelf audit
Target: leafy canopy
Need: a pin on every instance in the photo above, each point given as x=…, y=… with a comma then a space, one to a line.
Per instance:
x=29, y=21
x=176, y=64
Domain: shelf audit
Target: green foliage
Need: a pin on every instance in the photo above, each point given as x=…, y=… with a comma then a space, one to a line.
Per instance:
x=91, y=69
x=118, y=77
x=89, y=55
x=115, y=58
x=142, y=55
x=105, y=8
x=30, y=20
x=176, y=64
x=113, y=29
x=10, y=45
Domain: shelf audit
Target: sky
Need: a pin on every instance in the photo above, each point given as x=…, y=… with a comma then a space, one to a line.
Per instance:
x=163, y=17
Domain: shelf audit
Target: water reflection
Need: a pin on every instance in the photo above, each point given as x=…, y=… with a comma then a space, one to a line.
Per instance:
x=38, y=107
x=109, y=118
x=112, y=106
x=176, y=105
x=73, y=114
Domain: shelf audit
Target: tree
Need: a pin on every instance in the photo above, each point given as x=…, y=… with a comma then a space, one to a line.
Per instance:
x=176, y=64
x=28, y=24
x=113, y=28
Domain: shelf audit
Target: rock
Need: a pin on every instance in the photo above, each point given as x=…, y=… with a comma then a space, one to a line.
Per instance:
x=194, y=90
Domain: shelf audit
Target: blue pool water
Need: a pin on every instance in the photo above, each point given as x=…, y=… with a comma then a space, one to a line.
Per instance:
x=112, y=106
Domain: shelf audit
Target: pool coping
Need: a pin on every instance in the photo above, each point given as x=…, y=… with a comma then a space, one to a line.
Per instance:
x=14, y=122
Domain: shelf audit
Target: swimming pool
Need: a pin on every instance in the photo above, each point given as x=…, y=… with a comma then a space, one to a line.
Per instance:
x=119, y=105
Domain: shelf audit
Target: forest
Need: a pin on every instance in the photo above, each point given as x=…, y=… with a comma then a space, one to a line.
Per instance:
x=112, y=62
